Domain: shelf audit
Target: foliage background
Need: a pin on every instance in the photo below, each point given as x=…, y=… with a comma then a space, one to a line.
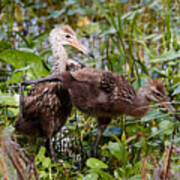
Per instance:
x=140, y=39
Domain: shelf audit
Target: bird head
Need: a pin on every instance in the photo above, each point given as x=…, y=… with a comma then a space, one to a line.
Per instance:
x=158, y=93
x=64, y=35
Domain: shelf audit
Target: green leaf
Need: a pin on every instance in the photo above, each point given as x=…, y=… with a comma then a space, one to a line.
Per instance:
x=176, y=91
x=25, y=40
x=112, y=130
x=95, y=163
x=152, y=115
x=169, y=56
x=2, y=35
x=19, y=59
x=115, y=149
x=135, y=177
x=106, y=176
x=118, y=150
x=67, y=165
x=122, y=1
x=76, y=11
x=92, y=28
x=106, y=15
x=4, y=45
x=91, y=176
x=40, y=156
x=7, y=99
x=15, y=77
x=56, y=13
x=46, y=162
x=166, y=127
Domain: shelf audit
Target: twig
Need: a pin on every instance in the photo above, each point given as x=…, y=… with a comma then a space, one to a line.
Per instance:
x=27, y=161
x=144, y=169
x=25, y=168
x=2, y=163
x=18, y=168
x=165, y=170
x=35, y=169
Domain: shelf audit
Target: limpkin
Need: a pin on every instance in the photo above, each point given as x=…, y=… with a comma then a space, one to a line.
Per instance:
x=106, y=95
x=47, y=105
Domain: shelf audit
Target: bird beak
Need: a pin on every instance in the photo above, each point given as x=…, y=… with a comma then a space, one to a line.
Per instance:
x=81, y=48
x=167, y=104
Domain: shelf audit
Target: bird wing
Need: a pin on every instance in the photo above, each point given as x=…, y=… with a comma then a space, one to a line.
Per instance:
x=88, y=75
x=35, y=96
x=46, y=107
x=111, y=83
x=125, y=90
x=104, y=80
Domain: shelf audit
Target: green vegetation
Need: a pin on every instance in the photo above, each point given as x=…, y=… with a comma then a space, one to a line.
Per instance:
x=140, y=39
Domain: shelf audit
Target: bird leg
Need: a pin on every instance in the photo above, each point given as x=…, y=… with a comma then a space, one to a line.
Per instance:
x=49, y=144
x=48, y=78
x=102, y=124
x=21, y=100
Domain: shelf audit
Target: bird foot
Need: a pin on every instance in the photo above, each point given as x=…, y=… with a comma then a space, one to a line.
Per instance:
x=104, y=122
x=94, y=153
x=54, y=156
x=49, y=146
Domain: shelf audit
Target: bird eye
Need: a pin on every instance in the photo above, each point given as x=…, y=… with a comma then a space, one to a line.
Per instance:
x=68, y=36
x=157, y=93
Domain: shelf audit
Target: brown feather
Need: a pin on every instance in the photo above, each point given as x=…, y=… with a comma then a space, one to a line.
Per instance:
x=106, y=94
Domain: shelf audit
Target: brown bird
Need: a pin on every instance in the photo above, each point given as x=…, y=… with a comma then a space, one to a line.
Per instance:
x=106, y=95
x=47, y=105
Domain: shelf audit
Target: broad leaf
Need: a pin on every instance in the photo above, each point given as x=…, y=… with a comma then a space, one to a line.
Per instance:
x=9, y=100
x=118, y=150
x=95, y=163
x=176, y=91
x=91, y=176
x=112, y=130
x=166, y=127
x=20, y=59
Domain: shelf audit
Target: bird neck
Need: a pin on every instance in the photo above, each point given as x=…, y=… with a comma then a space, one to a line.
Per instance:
x=60, y=58
x=140, y=103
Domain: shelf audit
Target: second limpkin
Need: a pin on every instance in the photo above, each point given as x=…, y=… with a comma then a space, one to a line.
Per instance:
x=106, y=95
